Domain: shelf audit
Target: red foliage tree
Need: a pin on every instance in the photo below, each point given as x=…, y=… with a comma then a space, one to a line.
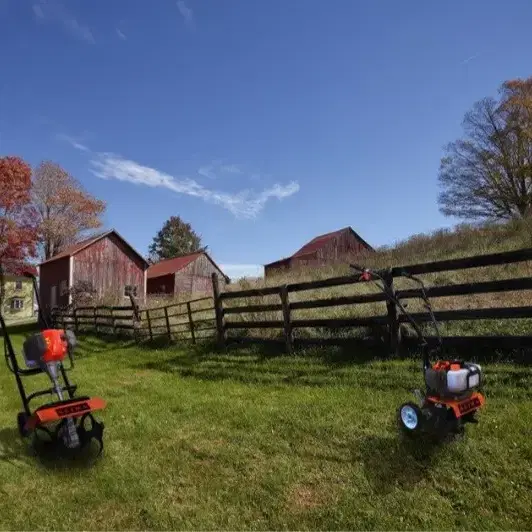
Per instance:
x=18, y=218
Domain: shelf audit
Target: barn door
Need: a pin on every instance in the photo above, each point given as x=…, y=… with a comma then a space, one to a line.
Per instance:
x=53, y=297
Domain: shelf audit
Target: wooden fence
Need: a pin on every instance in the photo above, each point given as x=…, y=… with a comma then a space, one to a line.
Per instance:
x=390, y=321
x=190, y=320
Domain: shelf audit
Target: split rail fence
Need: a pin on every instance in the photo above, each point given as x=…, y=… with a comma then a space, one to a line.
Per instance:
x=390, y=321
x=210, y=317
x=190, y=320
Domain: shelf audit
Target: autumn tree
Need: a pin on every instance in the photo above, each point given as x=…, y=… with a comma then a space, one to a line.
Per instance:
x=175, y=238
x=18, y=218
x=487, y=174
x=66, y=210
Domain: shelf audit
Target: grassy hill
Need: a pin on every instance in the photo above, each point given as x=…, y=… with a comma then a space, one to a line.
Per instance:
x=462, y=241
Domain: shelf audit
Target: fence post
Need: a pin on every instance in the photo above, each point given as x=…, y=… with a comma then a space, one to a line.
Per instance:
x=75, y=312
x=166, y=317
x=393, y=322
x=95, y=319
x=287, y=324
x=149, y=323
x=219, y=311
x=191, y=323
x=113, y=321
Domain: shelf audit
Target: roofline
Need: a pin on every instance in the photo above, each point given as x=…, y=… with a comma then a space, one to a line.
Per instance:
x=296, y=256
x=91, y=241
x=199, y=252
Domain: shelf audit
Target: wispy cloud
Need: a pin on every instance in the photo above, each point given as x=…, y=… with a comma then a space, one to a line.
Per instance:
x=53, y=11
x=243, y=204
x=121, y=34
x=469, y=59
x=186, y=13
x=217, y=169
x=73, y=142
x=237, y=271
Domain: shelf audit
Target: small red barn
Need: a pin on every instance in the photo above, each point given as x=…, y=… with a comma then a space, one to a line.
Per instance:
x=184, y=275
x=330, y=248
x=105, y=262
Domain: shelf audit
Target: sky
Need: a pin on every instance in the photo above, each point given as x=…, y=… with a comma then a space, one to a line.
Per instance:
x=261, y=123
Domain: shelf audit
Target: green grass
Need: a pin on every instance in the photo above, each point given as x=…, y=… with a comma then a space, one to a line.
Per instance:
x=246, y=440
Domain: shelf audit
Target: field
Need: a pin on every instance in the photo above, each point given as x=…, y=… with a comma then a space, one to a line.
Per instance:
x=249, y=440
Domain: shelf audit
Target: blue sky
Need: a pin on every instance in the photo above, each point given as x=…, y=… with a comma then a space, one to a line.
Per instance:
x=262, y=123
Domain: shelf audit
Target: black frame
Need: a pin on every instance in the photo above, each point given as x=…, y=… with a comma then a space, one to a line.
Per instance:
x=14, y=367
x=382, y=275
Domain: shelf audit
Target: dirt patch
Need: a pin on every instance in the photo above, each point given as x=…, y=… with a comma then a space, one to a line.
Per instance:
x=305, y=497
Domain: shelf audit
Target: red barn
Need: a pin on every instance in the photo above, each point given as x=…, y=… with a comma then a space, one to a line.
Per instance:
x=105, y=262
x=184, y=275
x=331, y=248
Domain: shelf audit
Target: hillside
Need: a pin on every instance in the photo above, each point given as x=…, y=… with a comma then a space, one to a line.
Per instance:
x=462, y=241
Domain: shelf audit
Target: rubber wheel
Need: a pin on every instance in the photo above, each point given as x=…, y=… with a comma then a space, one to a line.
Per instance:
x=22, y=418
x=409, y=418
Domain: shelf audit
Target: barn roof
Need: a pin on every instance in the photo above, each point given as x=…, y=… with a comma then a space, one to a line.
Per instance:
x=70, y=251
x=317, y=243
x=170, y=266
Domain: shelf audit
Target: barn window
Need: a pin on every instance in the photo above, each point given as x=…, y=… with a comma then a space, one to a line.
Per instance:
x=63, y=288
x=18, y=285
x=17, y=303
x=130, y=289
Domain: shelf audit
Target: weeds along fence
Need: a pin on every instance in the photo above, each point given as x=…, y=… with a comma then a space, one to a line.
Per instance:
x=344, y=309
x=189, y=320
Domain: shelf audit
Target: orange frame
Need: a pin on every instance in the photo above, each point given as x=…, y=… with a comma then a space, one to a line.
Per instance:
x=461, y=407
x=58, y=412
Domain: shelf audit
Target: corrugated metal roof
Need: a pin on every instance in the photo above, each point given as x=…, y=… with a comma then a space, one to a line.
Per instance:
x=78, y=246
x=169, y=266
x=75, y=248
x=318, y=242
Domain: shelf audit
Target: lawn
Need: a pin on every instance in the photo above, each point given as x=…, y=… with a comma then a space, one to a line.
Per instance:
x=199, y=440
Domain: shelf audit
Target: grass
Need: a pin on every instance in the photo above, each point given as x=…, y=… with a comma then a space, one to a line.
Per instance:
x=248, y=440
x=462, y=241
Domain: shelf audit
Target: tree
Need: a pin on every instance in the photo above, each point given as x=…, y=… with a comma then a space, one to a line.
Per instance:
x=488, y=173
x=175, y=238
x=66, y=211
x=18, y=218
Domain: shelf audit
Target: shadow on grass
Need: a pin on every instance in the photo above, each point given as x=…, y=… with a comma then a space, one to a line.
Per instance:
x=25, y=328
x=259, y=365
x=392, y=462
x=14, y=449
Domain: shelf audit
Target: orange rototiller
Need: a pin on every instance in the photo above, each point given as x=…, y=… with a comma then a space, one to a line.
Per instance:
x=68, y=422
x=452, y=394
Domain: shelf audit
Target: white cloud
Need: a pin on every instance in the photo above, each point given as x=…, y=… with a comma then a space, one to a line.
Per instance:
x=207, y=171
x=186, y=13
x=237, y=271
x=73, y=142
x=121, y=34
x=244, y=204
x=53, y=11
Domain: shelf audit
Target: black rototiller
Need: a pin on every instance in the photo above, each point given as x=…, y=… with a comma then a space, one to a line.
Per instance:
x=67, y=423
x=452, y=396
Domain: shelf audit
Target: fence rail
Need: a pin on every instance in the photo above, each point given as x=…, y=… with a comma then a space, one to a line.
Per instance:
x=147, y=323
x=391, y=321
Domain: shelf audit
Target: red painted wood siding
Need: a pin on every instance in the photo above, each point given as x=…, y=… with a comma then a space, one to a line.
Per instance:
x=51, y=274
x=109, y=265
x=161, y=285
x=195, y=279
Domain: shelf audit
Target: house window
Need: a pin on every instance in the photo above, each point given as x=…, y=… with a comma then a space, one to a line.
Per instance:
x=18, y=285
x=63, y=288
x=17, y=303
x=130, y=289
